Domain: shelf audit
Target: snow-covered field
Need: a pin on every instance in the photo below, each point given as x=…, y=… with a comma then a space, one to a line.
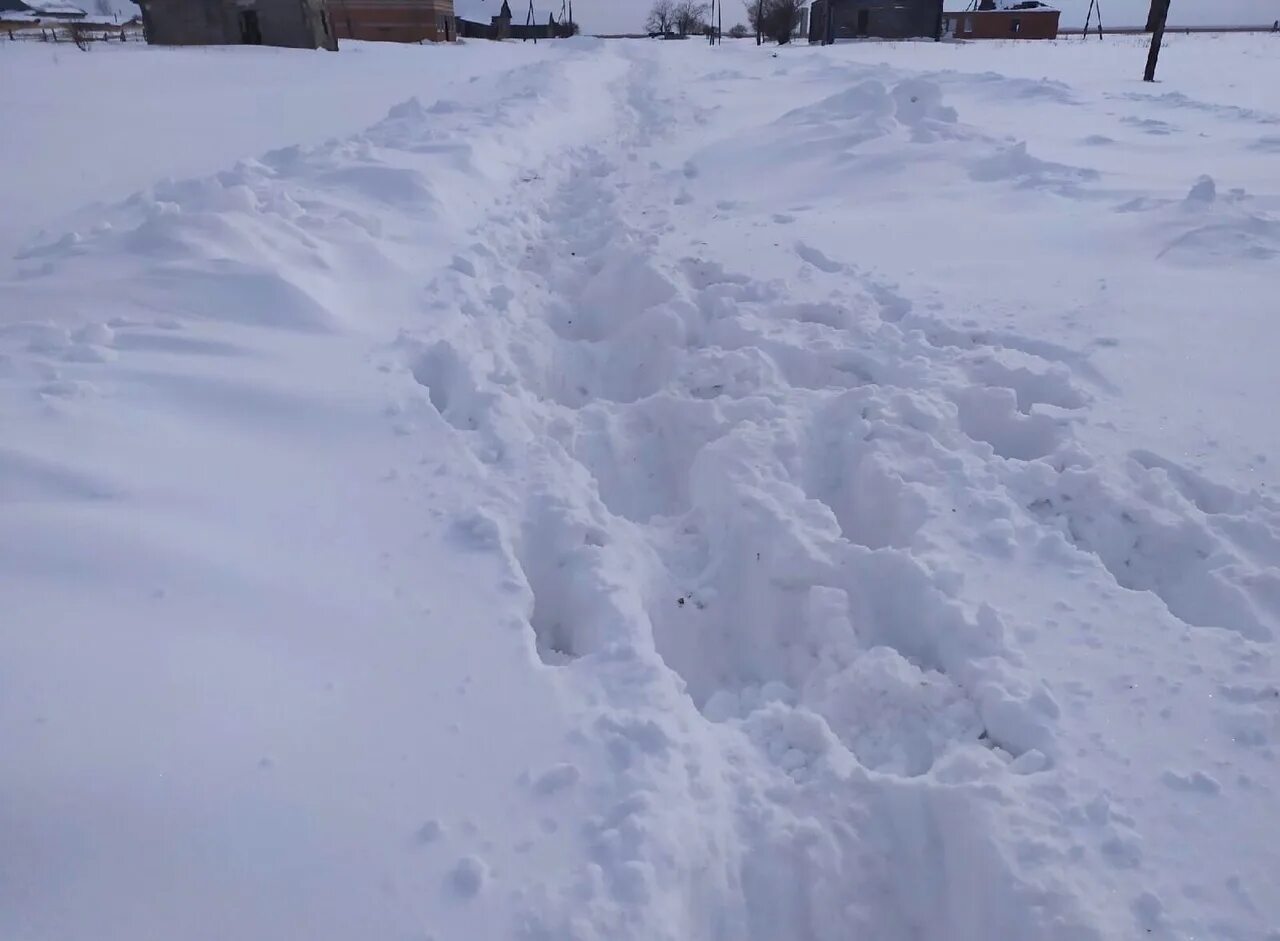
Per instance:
x=640, y=491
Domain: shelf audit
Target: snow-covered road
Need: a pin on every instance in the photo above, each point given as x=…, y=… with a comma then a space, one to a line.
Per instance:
x=656, y=492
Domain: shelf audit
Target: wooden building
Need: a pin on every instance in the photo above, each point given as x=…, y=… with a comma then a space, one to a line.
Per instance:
x=1003, y=19
x=838, y=20
x=301, y=24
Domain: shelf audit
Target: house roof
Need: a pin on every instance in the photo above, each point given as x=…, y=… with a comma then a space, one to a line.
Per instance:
x=53, y=7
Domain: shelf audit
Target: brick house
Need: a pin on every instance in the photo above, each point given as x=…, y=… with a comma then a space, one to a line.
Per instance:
x=1003, y=19
x=394, y=20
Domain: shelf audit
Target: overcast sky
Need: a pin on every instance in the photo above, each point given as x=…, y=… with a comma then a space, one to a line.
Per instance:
x=627, y=16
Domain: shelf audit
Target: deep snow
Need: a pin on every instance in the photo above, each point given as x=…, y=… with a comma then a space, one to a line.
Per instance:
x=639, y=490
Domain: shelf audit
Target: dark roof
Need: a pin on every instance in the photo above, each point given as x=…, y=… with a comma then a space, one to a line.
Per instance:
x=505, y=11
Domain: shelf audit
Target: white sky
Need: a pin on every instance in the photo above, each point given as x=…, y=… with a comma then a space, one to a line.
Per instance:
x=623, y=16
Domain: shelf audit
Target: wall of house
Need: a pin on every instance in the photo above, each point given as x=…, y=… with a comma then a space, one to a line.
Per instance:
x=186, y=23
x=393, y=20
x=292, y=23
x=882, y=19
x=999, y=24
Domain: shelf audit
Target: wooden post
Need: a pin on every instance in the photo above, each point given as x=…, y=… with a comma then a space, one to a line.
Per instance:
x=759, y=24
x=1159, y=18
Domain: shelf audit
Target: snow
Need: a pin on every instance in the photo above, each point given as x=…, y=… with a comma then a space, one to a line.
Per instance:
x=626, y=490
x=248, y=100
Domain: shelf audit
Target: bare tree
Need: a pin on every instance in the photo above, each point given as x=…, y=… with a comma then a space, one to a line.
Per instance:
x=690, y=17
x=80, y=35
x=738, y=32
x=775, y=19
x=662, y=17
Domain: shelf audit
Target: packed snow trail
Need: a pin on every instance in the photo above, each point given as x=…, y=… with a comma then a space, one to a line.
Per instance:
x=566, y=539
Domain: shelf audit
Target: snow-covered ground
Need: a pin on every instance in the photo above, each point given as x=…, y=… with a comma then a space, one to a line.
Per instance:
x=641, y=491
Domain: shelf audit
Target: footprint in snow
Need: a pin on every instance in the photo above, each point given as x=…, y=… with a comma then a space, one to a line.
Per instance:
x=816, y=258
x=468, y=876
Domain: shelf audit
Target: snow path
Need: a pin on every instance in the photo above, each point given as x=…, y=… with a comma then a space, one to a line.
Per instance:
x=549, y=543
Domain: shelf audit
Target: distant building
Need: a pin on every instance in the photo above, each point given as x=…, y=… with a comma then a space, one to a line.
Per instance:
x=838, y=20
x=300, y=24
x=471, y=24
x=41, y=10
x=394, y=20
x=1003, y=19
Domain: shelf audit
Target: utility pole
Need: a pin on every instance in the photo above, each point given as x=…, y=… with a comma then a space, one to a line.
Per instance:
x=1157, y=20
x=759, y=20
x=1093, y=4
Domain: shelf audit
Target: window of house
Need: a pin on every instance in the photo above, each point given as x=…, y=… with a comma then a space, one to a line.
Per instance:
x=968, y=24
x=1016, y=27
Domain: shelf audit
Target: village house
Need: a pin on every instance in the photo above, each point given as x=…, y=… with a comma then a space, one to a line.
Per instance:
x=1003, y=19
x=839, y=20
x=301, y=24
x=40, y=10
x=394, y=20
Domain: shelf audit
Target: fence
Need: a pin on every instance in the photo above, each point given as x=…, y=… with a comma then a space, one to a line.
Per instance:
x=1172, y=30
x=78, y=34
